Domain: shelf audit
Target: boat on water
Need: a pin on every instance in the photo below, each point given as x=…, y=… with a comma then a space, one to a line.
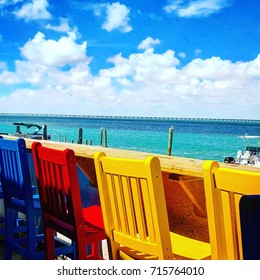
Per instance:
x=250, y=155
x=30, y=130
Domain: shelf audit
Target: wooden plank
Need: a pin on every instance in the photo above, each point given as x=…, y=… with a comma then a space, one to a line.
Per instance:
x=170, y=164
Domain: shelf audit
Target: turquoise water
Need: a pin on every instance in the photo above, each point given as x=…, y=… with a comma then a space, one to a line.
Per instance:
x=202, y=139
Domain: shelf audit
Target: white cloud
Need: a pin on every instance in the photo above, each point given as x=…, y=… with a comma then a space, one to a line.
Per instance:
x=117, y=17
x=196, y=7
x=143, y=84
x=198, y=52
x=148, y=43
x=182, y=54
x=9, y=78
x=8, y=2
x=147, y=66
x=3, y=66
x=54, y=53
x=207, y=88
x=63, y=27
x=37, y=9
x=173, y=5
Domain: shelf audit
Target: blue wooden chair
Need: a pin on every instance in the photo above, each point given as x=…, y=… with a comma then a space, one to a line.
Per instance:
x=25, y=236
x=250, y=226
x=2, y=219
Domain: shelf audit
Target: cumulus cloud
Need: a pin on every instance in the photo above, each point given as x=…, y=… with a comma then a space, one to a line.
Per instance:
x=54, y=53
x=117, y=17
x=147, y=66
x=8, y=2
x=198, y=52
x=216, y=85
x=62, y=27
x=148, y=43
x=37, y=9
x=3, y=66
x=146, y=83
x=196, y=8
x=182, y=54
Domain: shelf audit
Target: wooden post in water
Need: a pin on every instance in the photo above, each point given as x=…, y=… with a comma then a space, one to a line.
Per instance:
x=101, y=136
x=88, y=142
x=44, y=132
x=80, y=136
x=170, y=141
x=105, y=138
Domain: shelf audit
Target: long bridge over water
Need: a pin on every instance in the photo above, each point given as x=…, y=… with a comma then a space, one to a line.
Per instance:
x=124, y=117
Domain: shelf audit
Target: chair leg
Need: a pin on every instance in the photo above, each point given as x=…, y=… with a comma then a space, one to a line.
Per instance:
x=80, y=251
x=95, y=252
x=95, y=248
x=49, y=244
x=10, y=215
x=8, y=252
x=31, y=240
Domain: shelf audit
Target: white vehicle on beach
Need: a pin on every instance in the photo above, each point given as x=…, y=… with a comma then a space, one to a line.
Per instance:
x=251, y=153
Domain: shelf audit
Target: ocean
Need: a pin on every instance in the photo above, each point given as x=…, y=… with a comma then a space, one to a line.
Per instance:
x=192, y=138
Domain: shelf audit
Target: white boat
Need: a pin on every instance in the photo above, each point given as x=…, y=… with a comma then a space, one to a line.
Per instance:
x=30, y=130
x=250, y=155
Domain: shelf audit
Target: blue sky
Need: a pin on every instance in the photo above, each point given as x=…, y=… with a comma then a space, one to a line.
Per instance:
x=170, y=58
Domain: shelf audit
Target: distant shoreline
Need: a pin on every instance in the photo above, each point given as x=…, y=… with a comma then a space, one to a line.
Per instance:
x=124, y=117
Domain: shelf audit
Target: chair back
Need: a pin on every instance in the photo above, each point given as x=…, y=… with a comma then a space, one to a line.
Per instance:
x=2, y=219
x=134, y=207
x=59, y=190
x=15, y=174
x=224, y=187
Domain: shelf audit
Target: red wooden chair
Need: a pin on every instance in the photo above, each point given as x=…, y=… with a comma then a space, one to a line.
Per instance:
x=61, y=204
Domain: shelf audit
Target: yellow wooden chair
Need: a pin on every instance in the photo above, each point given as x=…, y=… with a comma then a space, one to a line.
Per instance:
x=224, y=187
x=135, y=214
